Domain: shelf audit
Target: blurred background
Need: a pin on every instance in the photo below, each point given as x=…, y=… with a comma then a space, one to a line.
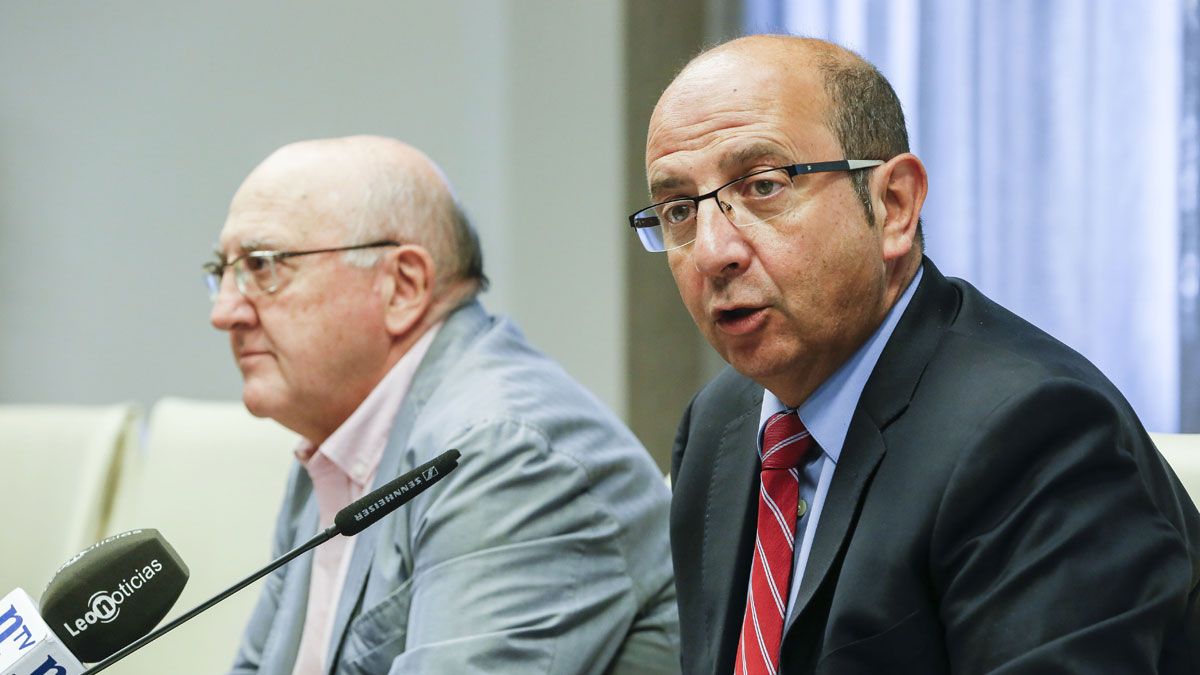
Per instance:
x=1061, y=139
x=1061, y=136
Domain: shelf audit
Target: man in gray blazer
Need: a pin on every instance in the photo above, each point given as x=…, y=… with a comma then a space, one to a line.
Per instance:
x=346, y=279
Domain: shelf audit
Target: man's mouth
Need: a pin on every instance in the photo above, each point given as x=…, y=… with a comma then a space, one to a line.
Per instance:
x=249, y=354
x=740, y=320
x=736, y=313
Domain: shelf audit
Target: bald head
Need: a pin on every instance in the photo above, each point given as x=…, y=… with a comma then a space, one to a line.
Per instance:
x=370, y=188
x=789, y=61
x=856, y=101
x=809, y=78
x=783, y=49
x=314, y=328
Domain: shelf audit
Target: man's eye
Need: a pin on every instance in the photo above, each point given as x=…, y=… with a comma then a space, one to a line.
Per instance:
x=678, y=212
x=764, y=188
x=256, y=263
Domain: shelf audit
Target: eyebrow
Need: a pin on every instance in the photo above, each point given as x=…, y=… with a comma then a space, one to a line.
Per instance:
x=667, y=183
x=246, y=246
x=728, y=164
x=249, y=245
x=752, y=153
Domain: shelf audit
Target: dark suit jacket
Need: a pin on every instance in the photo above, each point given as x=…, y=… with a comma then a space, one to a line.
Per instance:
x=997, y=507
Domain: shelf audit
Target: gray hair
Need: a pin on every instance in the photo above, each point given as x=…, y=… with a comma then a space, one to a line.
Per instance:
x=415, y=208
x=865, y=115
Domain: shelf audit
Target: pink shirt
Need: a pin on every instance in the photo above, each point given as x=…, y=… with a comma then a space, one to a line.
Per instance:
x=342, y=470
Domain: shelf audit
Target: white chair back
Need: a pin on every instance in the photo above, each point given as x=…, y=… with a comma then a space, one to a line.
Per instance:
x=58, y=464
x=210, y=481
x=1182, y=452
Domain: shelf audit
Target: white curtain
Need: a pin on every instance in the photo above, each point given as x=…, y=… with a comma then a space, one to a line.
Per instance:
x=1052, y=135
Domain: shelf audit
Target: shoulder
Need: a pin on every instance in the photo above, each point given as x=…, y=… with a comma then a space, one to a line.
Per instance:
x=996, y=396
x=727, y=395
x=989, y=356
x=498, y=383
x=527, y=429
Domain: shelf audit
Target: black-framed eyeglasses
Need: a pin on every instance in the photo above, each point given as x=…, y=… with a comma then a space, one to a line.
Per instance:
x=260, y=272
x=754, y=198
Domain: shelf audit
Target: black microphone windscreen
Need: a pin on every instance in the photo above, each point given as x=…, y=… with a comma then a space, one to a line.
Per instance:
x=113, y=593
x=368, y=509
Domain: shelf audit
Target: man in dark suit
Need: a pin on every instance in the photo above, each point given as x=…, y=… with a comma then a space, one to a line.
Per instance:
x=896, y=474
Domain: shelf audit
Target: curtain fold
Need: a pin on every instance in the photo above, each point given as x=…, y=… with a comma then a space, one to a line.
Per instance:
x=1061, y=143
x=1189, y=224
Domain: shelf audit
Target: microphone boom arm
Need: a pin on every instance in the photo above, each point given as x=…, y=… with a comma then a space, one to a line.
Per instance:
x=307, y=546
x=351, y=520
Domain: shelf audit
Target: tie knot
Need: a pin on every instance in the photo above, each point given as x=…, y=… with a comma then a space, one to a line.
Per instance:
x=786, y=442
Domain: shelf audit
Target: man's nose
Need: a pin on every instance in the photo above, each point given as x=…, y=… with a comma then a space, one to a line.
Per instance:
x=230, y=308
x=720, y=249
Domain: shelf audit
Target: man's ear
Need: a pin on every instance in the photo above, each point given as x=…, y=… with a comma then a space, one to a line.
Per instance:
x=408, y=287
x=903, y=185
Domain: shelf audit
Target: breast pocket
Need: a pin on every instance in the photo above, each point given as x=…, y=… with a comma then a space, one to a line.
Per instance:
x=912, y=645
x=378, y=635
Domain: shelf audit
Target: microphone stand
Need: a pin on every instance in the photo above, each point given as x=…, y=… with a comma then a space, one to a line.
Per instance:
x=351, y=520
x=307, y=546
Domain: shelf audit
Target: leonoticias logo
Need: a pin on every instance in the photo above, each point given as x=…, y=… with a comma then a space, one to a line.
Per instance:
x=104, y=606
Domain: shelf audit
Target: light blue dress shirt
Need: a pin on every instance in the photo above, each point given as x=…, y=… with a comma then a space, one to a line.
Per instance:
x=826, y=414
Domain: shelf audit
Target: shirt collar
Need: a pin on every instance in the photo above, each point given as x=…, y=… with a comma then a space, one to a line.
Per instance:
x=356, y=447
x=828, y=411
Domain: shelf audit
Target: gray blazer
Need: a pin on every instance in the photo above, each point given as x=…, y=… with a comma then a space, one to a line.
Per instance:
x=546, y=551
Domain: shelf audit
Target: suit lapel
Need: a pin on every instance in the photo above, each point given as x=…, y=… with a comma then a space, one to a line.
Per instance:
x=460, y=328
x=840, y=511
x=279, y=656
x=933, y=308
x=885, y=398
x=730, y=514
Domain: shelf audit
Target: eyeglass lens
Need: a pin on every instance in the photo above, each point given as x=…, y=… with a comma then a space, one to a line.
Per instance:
x=253, y=273
x=753, y=199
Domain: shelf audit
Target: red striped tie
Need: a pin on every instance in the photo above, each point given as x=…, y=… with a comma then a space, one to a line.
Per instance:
x=786, y=443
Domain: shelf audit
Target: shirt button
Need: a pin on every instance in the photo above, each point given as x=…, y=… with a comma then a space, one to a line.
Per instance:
x=801, y=508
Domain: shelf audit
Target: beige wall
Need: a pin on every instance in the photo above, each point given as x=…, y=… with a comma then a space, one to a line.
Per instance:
x=667, y=358
x=126, y=126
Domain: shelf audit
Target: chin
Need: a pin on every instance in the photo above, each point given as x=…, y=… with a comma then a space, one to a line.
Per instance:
x=750, y=371
x=255, y=407
x=758, y=365
x=746, y=354
x=259, y=402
